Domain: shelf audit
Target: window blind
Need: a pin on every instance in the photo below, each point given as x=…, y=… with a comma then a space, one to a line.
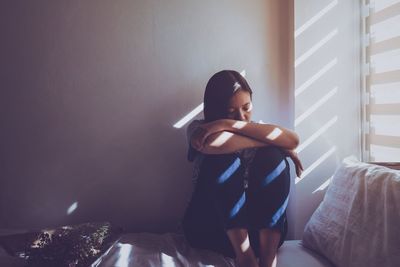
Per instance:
x=381, y=80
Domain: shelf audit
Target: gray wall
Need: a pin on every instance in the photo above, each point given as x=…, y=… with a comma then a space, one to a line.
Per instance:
x=90, y=91
x=327, y=94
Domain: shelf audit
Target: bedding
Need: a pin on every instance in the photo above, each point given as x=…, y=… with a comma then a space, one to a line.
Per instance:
x=154, y=250
x=71, y=245
x=171, y=250
x=357, y=223
x=362, y=199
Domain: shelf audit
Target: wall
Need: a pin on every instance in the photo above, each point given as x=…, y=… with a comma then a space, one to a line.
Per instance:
x=90, y=91
x=327, y=95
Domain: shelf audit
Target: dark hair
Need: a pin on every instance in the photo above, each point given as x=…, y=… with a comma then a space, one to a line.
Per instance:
x=220, y=88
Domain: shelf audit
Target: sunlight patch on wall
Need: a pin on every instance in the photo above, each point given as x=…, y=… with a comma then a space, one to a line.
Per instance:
x=315, y=48
x=189, y=116
x=317, y=134
x=315, y=18
x=72, y=208
x=323, y=185
x=315, y=77
x=315, y=164
x=315, y=106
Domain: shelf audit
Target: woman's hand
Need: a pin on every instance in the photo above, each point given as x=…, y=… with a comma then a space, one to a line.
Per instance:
x=295, y=158
x=202, y=132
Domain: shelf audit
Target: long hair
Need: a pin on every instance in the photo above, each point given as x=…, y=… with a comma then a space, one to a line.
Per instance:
x=219, y=90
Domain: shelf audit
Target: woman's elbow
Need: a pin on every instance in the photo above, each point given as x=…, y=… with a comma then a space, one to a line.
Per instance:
x=215, y=145
x=294, y=142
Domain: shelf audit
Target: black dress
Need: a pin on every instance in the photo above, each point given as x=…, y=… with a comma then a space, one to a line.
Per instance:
x=247, y=189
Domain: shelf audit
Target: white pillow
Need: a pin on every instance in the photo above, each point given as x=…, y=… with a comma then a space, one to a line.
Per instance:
x=358, y=221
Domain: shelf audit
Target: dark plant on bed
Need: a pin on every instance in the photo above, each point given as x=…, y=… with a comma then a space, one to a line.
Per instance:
x=78, y=245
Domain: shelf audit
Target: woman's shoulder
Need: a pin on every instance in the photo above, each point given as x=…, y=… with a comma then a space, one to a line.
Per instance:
x=192, y=126
x=195, y=123
x=192, y=153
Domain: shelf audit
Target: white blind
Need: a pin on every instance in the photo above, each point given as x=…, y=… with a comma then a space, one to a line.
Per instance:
x=381, y=83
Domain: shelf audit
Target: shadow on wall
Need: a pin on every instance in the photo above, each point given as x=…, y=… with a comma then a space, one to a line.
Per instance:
x=89, y=98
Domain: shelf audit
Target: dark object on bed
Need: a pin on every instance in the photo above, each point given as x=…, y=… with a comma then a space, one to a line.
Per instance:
x=76, y=245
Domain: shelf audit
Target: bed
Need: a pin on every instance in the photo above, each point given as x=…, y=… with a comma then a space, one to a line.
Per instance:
x=171, y=249
x=146, y=249
x=314, y=250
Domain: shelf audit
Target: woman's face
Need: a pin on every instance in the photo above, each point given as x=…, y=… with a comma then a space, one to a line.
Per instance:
x=240, y=106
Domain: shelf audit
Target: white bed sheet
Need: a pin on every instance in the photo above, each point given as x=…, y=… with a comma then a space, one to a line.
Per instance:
x=154, y=250
x=171, y=250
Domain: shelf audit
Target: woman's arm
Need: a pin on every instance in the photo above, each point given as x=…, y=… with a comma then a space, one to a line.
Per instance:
x=265, y=133
x=224, y=142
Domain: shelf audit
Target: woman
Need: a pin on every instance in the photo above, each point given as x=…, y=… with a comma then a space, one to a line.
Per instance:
x=238, y=207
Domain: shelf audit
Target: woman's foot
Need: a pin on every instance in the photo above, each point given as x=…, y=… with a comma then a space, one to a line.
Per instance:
x=246, y=261
x=269, y=242
x=240, y=241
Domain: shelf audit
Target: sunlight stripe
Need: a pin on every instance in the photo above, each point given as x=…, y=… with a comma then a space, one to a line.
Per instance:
x=189, y=116
x=278, y=214
x=315, y=164
x=315, y=106
x=324, y=185
x=314, y=49
x=235, y=210
x=315, y=77
x=228, y=172
x=275, y=173
x=317, y=134
x=315, y=18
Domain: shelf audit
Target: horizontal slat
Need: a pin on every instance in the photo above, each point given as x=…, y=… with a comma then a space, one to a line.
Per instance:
x=384, y=77
x=383, y=109
x=385, y=124
x=384, y=140
x=384, y=14
x=384, y=46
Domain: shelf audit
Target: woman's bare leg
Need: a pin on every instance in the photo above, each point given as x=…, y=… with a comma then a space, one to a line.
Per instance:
x=269, y=243
x=241, y=244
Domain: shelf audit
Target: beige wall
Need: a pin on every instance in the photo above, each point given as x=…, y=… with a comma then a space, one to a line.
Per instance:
x=90, y=91
x=327, y=76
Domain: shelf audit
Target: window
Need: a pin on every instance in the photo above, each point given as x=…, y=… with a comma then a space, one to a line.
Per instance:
x=381, y=80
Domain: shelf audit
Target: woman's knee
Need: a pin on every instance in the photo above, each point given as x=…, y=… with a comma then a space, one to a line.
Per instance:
x=269, y=167
x=269, y=158
x=270, y=152
x=220, y=168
